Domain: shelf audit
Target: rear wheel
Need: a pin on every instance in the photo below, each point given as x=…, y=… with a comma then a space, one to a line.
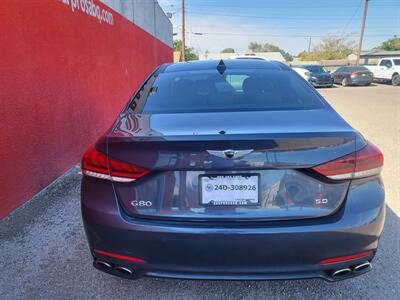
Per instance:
x=345, y=82
x=396, y=79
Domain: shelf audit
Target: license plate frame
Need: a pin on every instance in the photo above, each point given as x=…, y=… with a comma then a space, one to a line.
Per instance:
x=230, y=203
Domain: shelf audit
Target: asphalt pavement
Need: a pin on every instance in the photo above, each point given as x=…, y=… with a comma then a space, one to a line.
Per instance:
x=44, y=254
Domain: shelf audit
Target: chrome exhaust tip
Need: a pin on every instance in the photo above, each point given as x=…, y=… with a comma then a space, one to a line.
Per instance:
x=341, y=273
x=103, y=265
x=123, y=271
x=362, y=267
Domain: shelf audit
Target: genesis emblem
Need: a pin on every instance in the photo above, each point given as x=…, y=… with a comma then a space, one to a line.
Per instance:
x=229, y=153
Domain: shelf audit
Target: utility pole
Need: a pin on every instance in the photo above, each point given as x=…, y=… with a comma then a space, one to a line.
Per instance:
x=362, y=32
x=183, y=31
x=309, y=44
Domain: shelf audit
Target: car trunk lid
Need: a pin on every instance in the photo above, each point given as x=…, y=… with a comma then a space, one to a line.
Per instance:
x=275, y=151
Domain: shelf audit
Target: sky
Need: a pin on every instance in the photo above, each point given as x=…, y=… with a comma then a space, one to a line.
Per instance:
x=212, y=25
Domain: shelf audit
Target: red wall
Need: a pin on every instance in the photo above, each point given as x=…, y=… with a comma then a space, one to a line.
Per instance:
x=64, y=77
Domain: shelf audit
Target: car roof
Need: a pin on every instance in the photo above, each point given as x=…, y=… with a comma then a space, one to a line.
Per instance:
x=354, y=66
x=229, y=63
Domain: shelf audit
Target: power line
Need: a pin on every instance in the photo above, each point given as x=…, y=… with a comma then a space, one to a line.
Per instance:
x=351, y=18
x=276, y=27
x=279, y=35
x=273, y=5
x=273, y=17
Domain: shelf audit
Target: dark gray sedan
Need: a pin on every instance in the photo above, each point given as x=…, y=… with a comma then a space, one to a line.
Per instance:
x=235, y=170
x=353, y=75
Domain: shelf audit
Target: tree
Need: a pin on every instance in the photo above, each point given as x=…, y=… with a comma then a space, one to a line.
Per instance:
x=256, y=47
x=392, y=44
x=228, y=50
x=190, y=54
x=331, y=47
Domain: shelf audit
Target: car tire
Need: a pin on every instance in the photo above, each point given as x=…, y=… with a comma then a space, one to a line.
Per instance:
x=345, y=82
x=396, y=79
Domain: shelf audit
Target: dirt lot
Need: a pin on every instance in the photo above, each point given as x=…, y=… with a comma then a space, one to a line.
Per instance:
x=44, y=254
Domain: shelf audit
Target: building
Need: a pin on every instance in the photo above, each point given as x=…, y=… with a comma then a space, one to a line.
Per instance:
x=67, y=69
x=371, y=57
x=147, y=14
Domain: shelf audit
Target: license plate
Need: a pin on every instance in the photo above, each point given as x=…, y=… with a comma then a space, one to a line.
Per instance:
x=228, y=190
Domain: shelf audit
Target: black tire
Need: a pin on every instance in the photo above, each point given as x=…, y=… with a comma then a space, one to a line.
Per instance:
x=367, y=84
x=345, y=82
x=396, y=79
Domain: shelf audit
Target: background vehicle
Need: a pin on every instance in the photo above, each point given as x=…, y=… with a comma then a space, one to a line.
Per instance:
x=249, y=56
x=388, y=69
x=319, y=77
x=352, y=75
x=302, y=72
x=219, y=170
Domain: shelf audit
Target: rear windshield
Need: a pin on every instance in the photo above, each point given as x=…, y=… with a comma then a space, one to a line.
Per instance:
x=234, y=90
x=357, y=69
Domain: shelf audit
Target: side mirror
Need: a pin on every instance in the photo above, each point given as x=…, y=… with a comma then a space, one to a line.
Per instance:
x=388, y=66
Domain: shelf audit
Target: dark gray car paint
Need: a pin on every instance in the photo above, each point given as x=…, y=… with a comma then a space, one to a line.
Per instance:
x=266, y=248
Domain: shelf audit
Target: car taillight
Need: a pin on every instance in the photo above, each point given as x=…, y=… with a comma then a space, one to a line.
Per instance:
x=119, y=256
x=97, y=164
x=352, y=75
x=346, y=258
x=364, y=163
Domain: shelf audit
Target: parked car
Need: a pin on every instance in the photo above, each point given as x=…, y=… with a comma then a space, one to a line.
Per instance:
x=249, y=56
x=302, y=72
x=319, y=76
x=352, y=75
x=388, y=69
x=202, y=179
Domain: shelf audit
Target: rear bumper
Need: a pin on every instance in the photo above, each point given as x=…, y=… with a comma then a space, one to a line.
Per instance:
x=272, y=250
x=360, y=81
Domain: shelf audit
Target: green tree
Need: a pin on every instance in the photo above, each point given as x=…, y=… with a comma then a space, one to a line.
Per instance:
x=228, y=50
x=331, y=47
x=190, y=54
x=257, y=47
x=392, y=44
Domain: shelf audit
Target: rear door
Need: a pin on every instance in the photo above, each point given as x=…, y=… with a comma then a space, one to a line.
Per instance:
x=338, y=75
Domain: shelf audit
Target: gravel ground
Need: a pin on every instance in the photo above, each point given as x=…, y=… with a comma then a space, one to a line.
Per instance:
x=44, y=253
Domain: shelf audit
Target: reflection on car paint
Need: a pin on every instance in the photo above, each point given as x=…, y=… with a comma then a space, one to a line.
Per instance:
x=283, y=194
